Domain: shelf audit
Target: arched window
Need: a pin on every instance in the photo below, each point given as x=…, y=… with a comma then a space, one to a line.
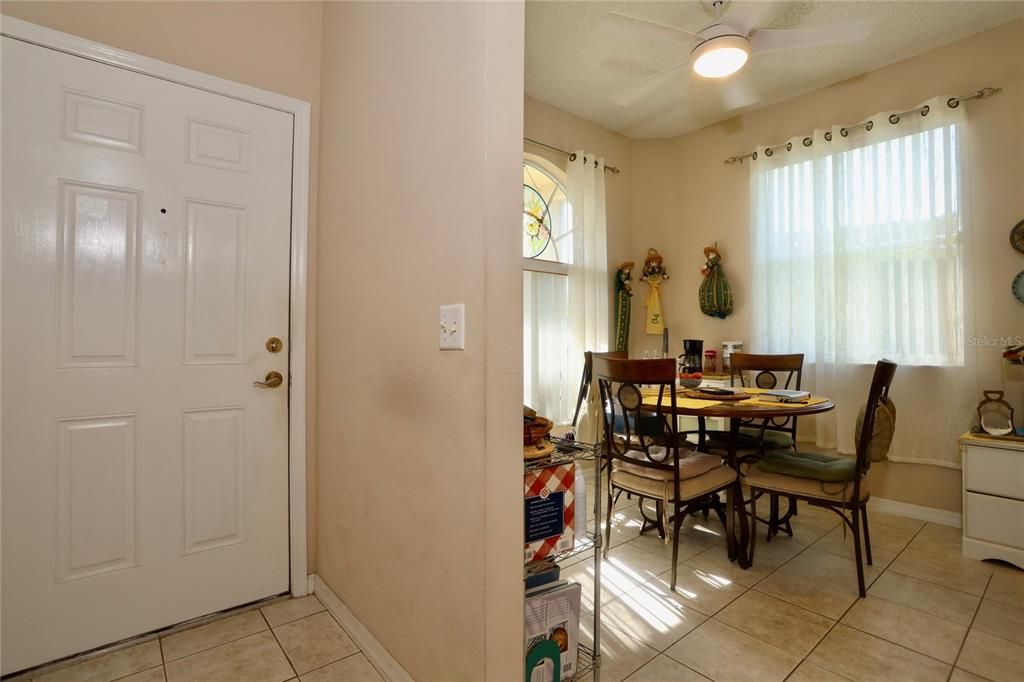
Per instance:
x=547, y=216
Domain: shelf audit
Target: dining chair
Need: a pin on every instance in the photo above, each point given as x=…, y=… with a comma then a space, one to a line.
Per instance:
x=835, y=482
x=588, y=377
x=759, y=436
x=654, y=466
x=752, y=370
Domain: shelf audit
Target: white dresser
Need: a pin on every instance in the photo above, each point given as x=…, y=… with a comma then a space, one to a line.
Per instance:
x=993, y=490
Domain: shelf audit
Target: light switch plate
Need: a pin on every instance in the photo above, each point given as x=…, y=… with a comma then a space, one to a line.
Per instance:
x=453, y=326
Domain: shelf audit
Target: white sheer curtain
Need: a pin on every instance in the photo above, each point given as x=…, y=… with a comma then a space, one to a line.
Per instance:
x=860, y=252
x=588, y=274
x=549, y=384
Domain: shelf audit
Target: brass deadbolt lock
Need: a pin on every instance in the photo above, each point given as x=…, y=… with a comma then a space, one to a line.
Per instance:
x=274, y=344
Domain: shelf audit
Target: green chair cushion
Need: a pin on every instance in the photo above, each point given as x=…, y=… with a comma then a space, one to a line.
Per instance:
x=813, y=465
x=749, y=438
x=773, y=440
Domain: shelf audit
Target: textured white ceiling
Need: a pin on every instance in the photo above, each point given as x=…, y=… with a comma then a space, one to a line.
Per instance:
x=576, y=62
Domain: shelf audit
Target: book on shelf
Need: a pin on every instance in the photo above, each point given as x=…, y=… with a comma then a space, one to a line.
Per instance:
x=554, y=615
x=540, y=573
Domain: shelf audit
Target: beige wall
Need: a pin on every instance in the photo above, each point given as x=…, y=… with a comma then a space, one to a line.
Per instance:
x=269, y=45
x=418, y=492
x=684, y=197
x=420, y=499
x=558, y=128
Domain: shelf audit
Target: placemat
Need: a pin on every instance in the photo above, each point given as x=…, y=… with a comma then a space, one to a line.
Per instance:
x=650, y=396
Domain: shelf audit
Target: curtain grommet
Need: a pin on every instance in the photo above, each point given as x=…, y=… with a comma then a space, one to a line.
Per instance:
x=808, y=142
x=952, y=102
x=828, y=136
x=925, y=110
x=894, y=119
x=869, y=126
x=844, y=132
x=789, y=146
x=768, y=151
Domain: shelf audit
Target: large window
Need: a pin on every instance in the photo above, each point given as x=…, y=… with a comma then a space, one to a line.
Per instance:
x=547, y=255
x=858, y=254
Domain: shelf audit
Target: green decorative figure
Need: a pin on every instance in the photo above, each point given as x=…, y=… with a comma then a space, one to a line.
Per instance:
x=623, y=292
x=715, y=292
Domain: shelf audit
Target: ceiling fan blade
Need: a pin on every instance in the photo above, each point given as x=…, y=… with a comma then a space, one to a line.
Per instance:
x=774, y=40
x=647, y=86
x=746, y=16
x=650, y=28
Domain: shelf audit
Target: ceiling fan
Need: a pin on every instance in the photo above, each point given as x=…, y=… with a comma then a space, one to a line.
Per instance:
x=724, y=47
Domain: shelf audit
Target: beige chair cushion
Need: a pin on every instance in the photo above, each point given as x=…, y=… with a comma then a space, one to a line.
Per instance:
x=882, y=434
x=699, y=474
x=808, y=487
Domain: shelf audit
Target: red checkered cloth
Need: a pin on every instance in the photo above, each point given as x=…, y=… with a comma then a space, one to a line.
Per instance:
x=541, y=483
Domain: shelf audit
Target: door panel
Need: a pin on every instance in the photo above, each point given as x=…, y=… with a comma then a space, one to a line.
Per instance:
x=145, y=263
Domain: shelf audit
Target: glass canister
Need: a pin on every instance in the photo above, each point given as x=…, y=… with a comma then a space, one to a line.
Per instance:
x=710, y=361
x=728, y=348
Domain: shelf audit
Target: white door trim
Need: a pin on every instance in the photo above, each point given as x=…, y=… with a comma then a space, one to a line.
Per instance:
x=64, y=42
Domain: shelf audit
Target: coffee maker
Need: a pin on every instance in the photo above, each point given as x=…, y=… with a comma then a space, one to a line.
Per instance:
x=693, y=356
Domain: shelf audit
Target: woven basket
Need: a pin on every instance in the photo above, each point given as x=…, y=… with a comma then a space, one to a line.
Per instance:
x=535, y=429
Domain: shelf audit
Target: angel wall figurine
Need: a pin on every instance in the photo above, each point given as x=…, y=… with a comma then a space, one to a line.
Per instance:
x=715, y=293
x=623, y=294
x=654, y=275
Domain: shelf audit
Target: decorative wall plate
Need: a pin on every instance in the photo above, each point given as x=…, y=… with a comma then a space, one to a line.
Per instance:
x=1017, y=237
x=1018, y=286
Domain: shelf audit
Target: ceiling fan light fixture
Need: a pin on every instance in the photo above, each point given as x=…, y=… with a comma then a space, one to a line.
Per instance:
x=720, y=56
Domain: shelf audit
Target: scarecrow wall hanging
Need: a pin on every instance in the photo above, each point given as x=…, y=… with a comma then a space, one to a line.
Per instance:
x=715, y=293
x=623, y=294
x=654, y=275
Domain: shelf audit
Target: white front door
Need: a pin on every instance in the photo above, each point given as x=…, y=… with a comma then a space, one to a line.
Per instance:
x=145, y=266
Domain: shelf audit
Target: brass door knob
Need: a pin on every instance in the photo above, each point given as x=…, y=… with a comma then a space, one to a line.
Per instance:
x=272, y=380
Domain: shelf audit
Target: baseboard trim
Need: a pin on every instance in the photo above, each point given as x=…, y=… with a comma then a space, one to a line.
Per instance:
x=916, y=511
x=374, y=651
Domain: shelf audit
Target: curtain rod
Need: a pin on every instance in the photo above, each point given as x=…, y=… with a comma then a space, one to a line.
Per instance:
x=572, y=156
x=952, y=103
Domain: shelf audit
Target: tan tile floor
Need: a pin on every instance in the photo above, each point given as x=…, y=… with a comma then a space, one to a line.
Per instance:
x=295, y=639
x=795, y=615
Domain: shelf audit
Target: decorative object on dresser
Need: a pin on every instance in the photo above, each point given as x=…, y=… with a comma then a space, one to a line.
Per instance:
x=995, y=415
x=654, y=275
x=623, y=296
x=1017, y=237
x=715, y=293
x=993, y=498
x=1018, y=286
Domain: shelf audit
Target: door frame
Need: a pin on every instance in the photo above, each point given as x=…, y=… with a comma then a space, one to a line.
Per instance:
x=298, y=271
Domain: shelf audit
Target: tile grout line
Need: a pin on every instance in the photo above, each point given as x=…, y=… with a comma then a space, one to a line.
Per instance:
x=209, y=648
x=970, y=627
x=273, y=634
x=847, y=610
x=343, y=658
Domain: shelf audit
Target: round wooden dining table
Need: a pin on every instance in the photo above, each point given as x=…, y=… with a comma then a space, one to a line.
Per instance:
x=739, y=412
